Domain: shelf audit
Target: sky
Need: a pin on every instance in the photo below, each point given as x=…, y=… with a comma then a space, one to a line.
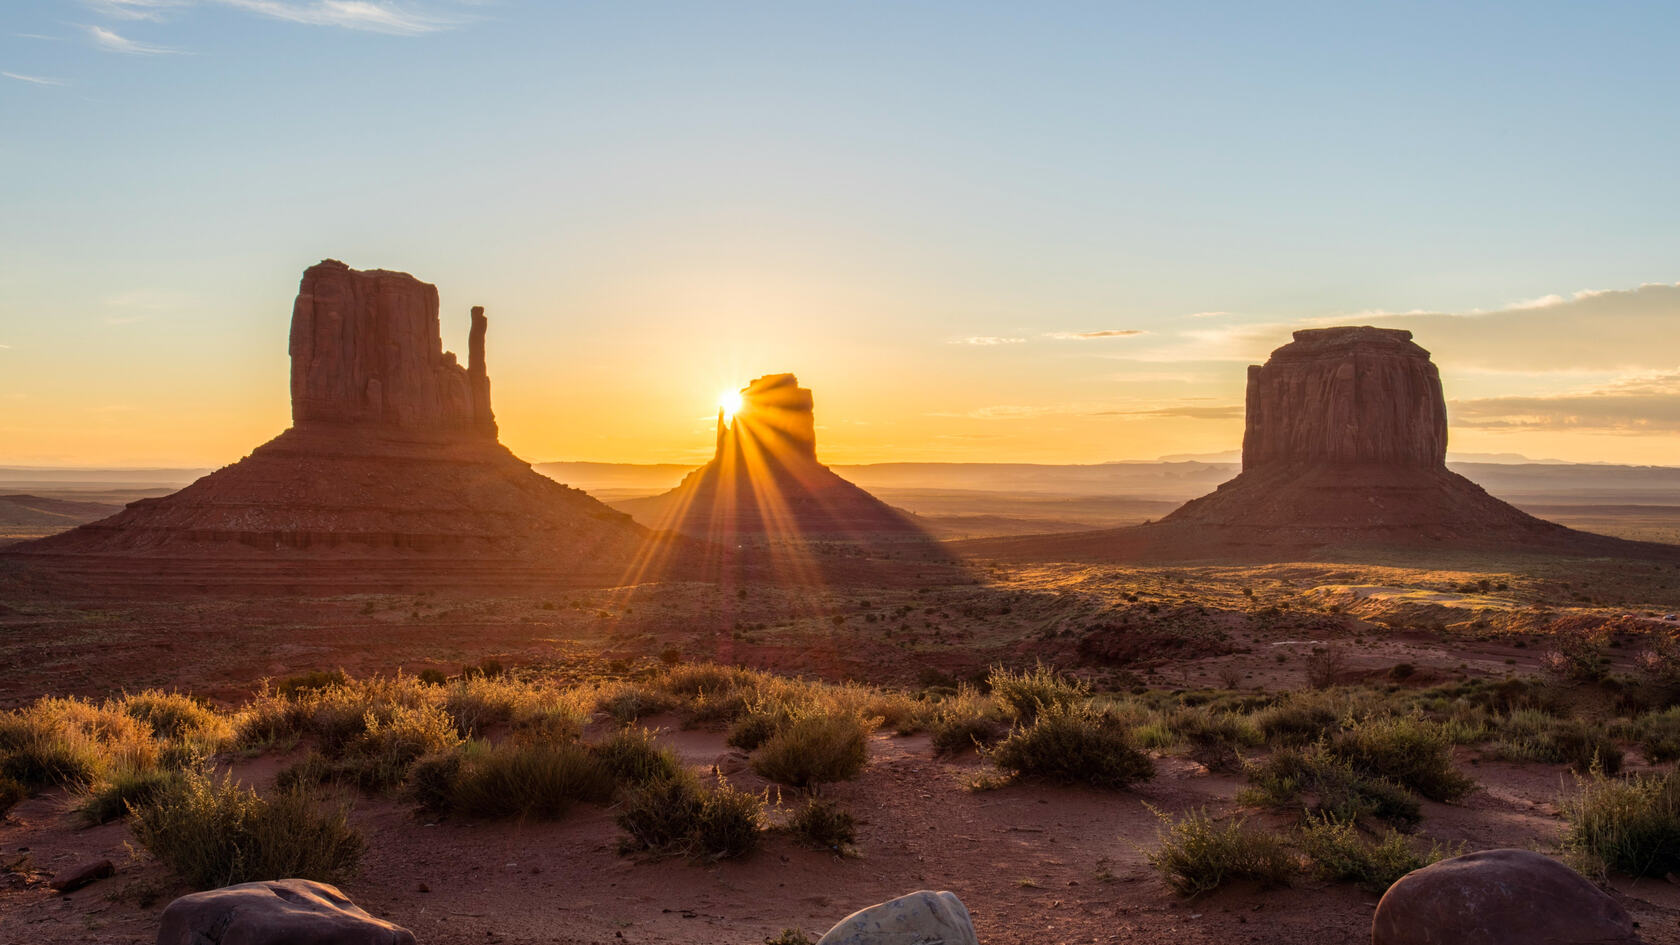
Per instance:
x=978, y=231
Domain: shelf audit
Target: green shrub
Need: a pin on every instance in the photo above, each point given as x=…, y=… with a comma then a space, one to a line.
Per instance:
x=1338, y=852
x=822, y=824
x=1197, y=856
x=1314, y=781
x=632, y=758
x=1412, y=753
x=1631, y=826
x=1027, y=693
x=218, y=833
x=431, y=782
x=540, y=780
x=681, y=817
x=815, y=749
x=1074, y=745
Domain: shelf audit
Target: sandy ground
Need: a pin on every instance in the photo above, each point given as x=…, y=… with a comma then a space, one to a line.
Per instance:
x=1034, y=863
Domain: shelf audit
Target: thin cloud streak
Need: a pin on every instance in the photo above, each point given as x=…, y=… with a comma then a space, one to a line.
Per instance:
x=1088, y=335
x=111, y=42
x=32, y=79
x=986, y=340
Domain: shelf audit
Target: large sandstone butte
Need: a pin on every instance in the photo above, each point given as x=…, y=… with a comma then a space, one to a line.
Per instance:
x=764, y=481
x=1344, y=449
x=391, y=476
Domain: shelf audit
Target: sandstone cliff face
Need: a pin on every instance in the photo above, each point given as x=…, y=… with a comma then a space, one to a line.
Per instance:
x=1346, y=396
x=366, y=349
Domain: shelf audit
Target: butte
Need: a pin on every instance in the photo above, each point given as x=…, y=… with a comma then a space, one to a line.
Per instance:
x=764, y=482
x=390, y=477
x=1344, y=451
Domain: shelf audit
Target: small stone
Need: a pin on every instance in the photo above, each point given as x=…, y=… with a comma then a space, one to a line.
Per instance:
x=86, y=874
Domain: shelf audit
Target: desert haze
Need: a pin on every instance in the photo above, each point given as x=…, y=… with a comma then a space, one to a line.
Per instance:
x=476, y=471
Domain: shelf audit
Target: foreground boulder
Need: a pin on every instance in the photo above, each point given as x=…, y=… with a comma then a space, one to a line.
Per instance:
x=1499, y=897
x=281, y=912
x=921, y=918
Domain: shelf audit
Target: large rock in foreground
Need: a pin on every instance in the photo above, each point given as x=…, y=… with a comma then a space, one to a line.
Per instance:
x=281, y=912
x=1499, y=897
x=921, y=918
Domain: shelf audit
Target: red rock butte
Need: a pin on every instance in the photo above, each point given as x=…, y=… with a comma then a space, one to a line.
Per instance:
x=1344, y=448
x=764, y=481
x=391, y=476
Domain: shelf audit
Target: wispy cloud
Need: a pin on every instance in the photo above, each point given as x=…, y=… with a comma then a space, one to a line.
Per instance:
x=1088, y=335
x=370, y=15
x=1642, y=404
x=111, y=42
x=32, y=79
x=985, y=340
x=134, y=9
x=1186, y=411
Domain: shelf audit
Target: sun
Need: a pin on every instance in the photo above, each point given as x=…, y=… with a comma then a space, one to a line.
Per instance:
x=730, y=401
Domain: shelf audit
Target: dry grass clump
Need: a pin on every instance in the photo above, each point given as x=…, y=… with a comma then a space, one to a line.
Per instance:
x=628, y=702
x=1027, y=693
x=1408, y=751
x=216, y=833
x=1214, y=737
x=1627, y=825
x=632, y=757
x=967, y=719
x=815, y=749
x=1312, y=780
x=1339, y=852
x=1074, y=744
x=681, y=816
x=535, y=780
x=1197, y=855
x=1529, y=735
x=74, y=743
x=822, y=824
x=113, y=796
x=1658, y=734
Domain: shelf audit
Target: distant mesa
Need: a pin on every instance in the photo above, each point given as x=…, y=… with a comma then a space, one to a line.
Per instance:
x=391, y=475
x=764, y=480
x=1344, y=448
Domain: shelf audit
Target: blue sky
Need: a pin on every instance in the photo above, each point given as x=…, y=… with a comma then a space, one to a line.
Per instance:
x=659, y=200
